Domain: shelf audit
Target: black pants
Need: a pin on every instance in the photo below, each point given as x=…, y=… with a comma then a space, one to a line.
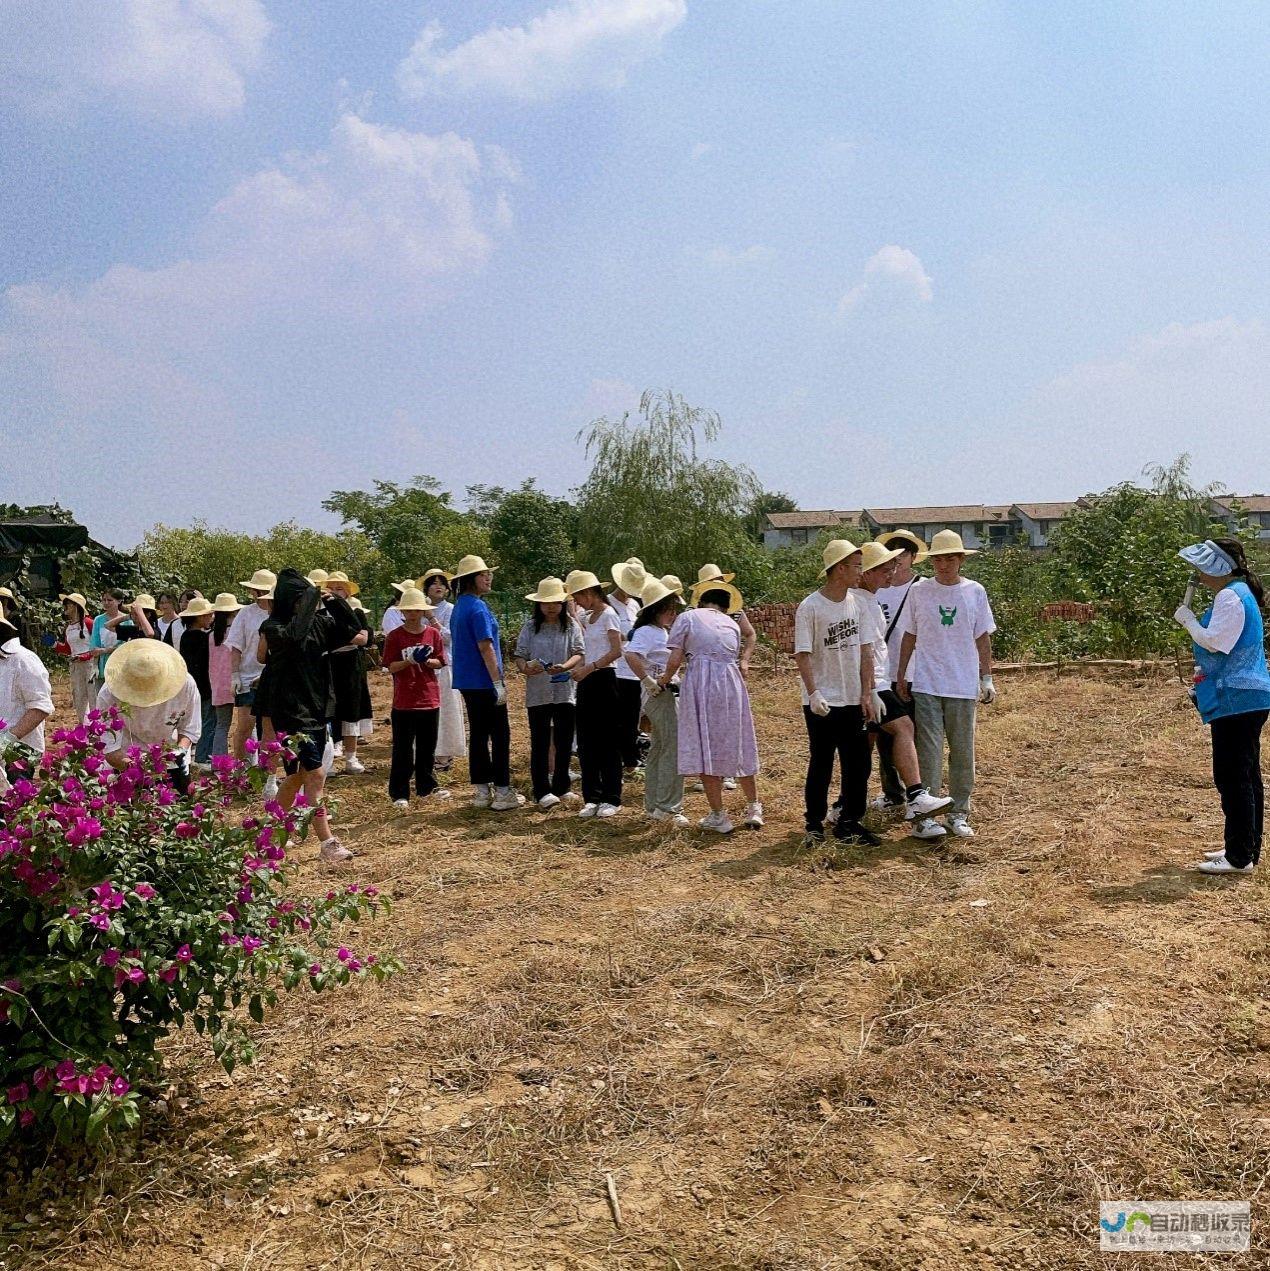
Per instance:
x=1237, y=775
x=599, y=743
x=840, y=733
x=629, y=693
x=548, y=724
x=489, y=749
x=414, y=743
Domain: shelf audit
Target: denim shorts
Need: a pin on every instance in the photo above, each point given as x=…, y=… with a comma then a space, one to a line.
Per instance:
x=245, y=699
x=309, y=748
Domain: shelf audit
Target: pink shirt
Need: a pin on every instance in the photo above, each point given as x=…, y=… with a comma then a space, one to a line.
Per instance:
x=219, y=672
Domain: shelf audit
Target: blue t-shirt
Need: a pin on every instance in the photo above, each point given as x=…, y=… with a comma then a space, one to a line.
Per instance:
x=471, y=621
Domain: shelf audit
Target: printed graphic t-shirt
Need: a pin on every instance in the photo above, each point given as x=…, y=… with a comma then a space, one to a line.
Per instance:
x=832, y=632
x=946, y=621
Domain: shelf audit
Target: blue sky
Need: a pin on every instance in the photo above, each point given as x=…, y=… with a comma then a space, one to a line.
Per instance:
x=253, y=250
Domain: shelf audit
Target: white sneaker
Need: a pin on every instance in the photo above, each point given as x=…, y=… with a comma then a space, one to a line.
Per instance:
x=548, y=801
x=482, y=798
x=960, y=826
x=753, y=819
x=574, y=775
x=441, y=794
x=928, y=829
x=885, y=805
x=606, y=810
x=717, y=821
x=680, y=820
x=589, y=809
x=506, y=800
x=333, y=851
x=1215, y=854
x=1222, y=866
x=270, y=789
x=573, y=798
x=354, y=765
x=338, y=750
x=729, y=783
x=924, y=805
x=402, y=805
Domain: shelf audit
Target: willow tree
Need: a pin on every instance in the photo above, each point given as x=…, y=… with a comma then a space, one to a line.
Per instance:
x=653, y=493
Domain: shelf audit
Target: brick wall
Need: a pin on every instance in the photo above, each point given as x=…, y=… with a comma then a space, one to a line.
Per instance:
x=774, y=623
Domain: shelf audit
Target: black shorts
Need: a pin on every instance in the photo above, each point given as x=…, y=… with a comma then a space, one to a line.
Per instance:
x=893, y=707
x=309, y=748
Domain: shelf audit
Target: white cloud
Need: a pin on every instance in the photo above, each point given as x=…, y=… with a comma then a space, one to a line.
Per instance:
x=701, y=149
x=736, y=257
x=579, y=44
x=127, y=366
x=891, y=275
x=164, y=57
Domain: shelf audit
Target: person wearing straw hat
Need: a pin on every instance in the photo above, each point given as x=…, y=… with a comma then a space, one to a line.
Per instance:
x=946, y=667
x=303, y=629
x=77, y=644
x=136, y=621
x=833, y=649
x=393, y=617
x=195, y=649
x=244, y=660
x=148, y=683
x=599, y=717
x=451, y=741
x=629, y=579
x=413, y=654
x=26, y=694
x=1231, y=691
x=716, y=725
x=220, y=669
x=318, y=578
x=647, y=652
x=892, y=726
x=749, y=637
x=477, y=666
x=549, y=646
x=352, y=719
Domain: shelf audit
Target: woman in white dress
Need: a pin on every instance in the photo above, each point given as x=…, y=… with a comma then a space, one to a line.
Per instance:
x=451, y=740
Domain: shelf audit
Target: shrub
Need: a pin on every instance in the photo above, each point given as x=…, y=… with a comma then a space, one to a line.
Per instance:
x=128, y=911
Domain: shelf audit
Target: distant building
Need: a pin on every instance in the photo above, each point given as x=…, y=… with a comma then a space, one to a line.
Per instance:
x=1255, y=509
x=794, y=529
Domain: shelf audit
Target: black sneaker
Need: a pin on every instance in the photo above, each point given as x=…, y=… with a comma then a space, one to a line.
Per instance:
x=855, y=835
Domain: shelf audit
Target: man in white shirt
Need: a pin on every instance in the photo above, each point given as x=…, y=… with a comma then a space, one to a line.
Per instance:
x=893, y=599
x=833, y=650
x=244, y=664
x=26, y=695
x=948, y=625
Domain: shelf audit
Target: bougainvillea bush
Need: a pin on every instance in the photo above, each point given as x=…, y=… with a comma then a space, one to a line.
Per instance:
x=128, y=910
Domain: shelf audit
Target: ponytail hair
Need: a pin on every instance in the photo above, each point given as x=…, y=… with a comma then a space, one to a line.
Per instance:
x=1235, y=550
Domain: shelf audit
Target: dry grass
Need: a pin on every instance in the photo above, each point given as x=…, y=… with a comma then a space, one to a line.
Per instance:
x=786, y=1061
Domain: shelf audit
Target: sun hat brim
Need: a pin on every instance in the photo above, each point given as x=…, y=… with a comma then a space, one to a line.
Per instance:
x=1208, y=558
x=954, y=551
x=907, y=537
x=553, y=599
x=735, y=601
x=590, y=583
x=837, y=560
x=122, y=668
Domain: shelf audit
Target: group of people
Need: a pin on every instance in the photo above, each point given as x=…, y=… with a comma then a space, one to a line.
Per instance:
x=635, y=674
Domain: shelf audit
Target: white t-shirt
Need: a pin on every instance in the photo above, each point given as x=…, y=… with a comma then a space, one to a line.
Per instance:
x=832, y=632
x=890, y=600
x=179, y=716
x=77, y=639
x=595, y=635
x=24, y=686
x=869, y=606
x=946, y=620
x=244, y=633
x=627, y=611
x=649, y=642
x=392, y=619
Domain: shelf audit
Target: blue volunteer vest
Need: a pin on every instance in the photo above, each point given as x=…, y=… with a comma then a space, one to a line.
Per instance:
x=1236, y=682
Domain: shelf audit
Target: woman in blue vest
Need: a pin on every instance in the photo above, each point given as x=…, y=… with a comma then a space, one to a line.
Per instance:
x=1232, y=692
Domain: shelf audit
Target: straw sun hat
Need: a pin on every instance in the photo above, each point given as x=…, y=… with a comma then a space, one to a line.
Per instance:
x=145, y=600
x=197, y=608
x=837, y=549
x=225, y=602
x=630, y=575
x=701, y=590
x=413, y=600
x=429, y=574
x=145, y=672
x=948, y=543
x=75, y=598
x=581, y=580
x=471, y=565
x=908, y=537
x=317, y=577
x=655, y=591
x=261, y=580
x=713, y=574
x=875, y=555
x=550, y=592
x=672, y=581
x=340, y=577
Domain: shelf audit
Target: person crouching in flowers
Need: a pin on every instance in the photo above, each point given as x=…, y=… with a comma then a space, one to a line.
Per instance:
x=1232, y=692
x=148, y=683
x=413, y=653
x=647, y=654
x=716, y=726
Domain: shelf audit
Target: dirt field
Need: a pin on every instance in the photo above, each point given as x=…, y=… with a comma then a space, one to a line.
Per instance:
x=911, y=1057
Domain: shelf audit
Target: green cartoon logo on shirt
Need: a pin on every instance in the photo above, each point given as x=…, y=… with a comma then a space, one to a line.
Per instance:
x=947, y=616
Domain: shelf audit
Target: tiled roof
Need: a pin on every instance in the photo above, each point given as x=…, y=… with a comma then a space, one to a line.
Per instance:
x=1249, y=502
x=956, y=515
x=1045, y=511
x=802, y=519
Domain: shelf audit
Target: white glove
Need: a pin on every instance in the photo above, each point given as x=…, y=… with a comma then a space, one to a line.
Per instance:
x=651, y=687
x=1184, y=616
x=236, y=683
x=500, y=694
x=818, y=704
x=987, y=692
x=879, y=707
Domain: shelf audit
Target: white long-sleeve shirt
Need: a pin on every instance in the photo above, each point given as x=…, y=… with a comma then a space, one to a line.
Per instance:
x=1225, y=626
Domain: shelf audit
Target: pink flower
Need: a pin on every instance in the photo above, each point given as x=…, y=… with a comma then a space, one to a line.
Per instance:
x=251, y=943
x=65, y=1070
x=371, y=891
x=353, y=888
x=19, y=1093
x=73, y=912
x=119, y=1087
x=168, y=974
x=136, y=975
x=343, y=954
x=42, y=1078
x=183, y=954
x=120, y=978
x=145, y=891
x=26, y=1118
x=100, y=921
x=315, y=969
x=110, y=957
x=353, y=964
x=185, y=830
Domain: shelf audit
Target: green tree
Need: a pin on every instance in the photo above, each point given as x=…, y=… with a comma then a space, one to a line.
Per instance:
x=531, y=534
x=761, y=504
x=653, y=494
